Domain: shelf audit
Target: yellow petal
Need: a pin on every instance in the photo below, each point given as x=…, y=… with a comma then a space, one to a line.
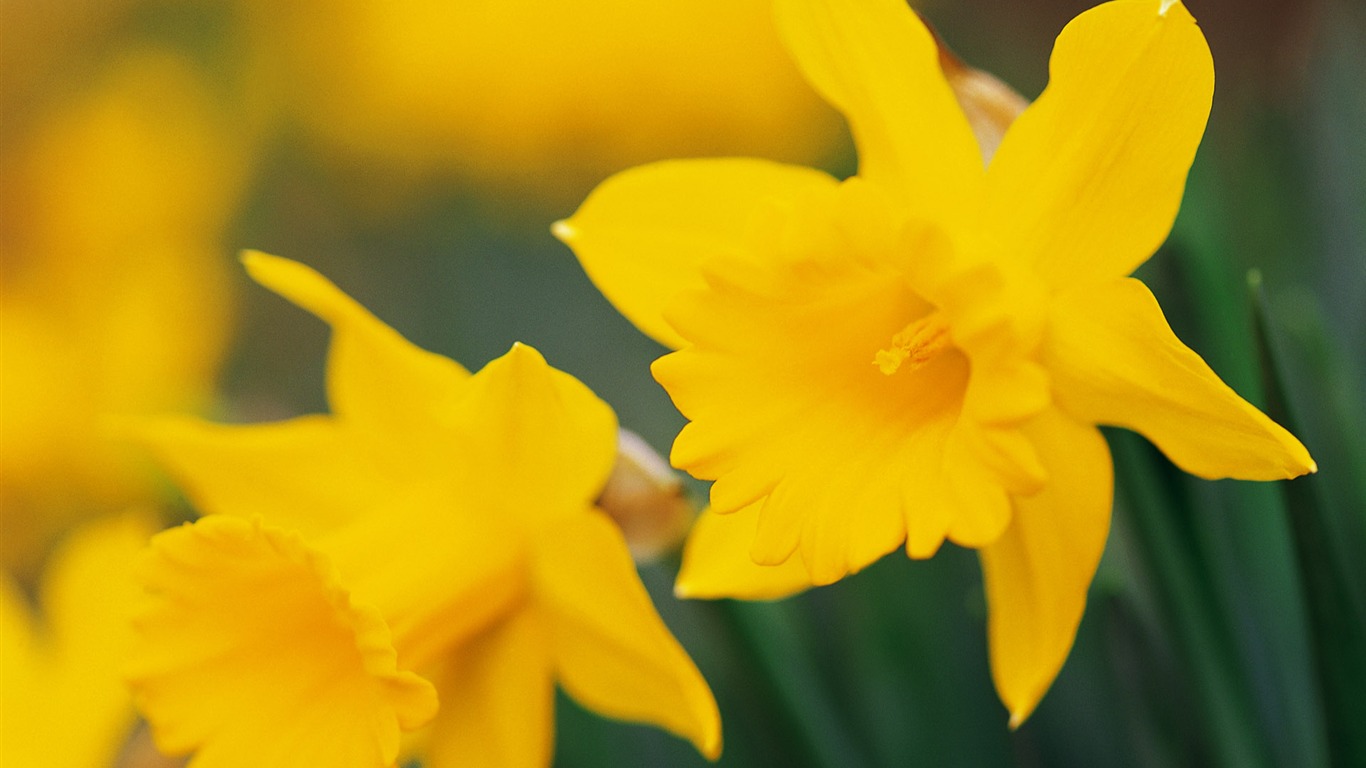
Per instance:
x=536, y=438
x=251, y=653
x=612, y=652
x=716, y=561
x=1115, y=361
x=981, y=505
x=1037, y=574
x=931, y=505
x=642, y=234
x=21, y=678
x=375, y=376
x=1087, y=181
x=497, y=700
x=877, y=63
x=61, y=689
x=440, y=559
x=271, y=470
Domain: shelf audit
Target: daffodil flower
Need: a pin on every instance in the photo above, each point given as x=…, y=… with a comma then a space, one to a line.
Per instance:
x=114, y=203
x=538, y=97
x=924, y=351
x=435, y=534
x=62, y=699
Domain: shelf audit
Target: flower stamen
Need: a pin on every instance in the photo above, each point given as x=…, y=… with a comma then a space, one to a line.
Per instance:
x=917, y=343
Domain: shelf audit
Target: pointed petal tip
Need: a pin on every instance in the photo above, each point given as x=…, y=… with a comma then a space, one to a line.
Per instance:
x=1181, y=12
x=1297, y=461
x=521, y=353
x=259, y=264
x=249, y=256
x=1164, y=8
x=1017, y=719
x=1304, y=464
x=564, y=231
x=710, y=745
x=284, y=276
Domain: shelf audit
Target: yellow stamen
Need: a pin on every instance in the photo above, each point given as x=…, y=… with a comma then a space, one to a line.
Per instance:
x=918, y=342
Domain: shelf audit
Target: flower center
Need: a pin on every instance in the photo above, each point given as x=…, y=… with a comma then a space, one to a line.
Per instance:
x=914, y=345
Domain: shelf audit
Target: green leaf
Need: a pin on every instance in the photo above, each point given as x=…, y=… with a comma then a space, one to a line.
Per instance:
x=1326, y=517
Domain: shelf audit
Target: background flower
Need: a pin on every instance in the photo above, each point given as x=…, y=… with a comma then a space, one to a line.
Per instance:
x=62, y=699
x=116, y=201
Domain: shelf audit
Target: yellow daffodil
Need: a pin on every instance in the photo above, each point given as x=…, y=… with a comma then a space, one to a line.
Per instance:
x=923, y=352
x=114, y=204
x=436, y=533
x=539, y=96
x=62, y=699
x=47, y=45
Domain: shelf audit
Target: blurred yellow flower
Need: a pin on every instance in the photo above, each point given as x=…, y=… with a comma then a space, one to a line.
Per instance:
x=115, y=298
x=923, y=351
x=48, y=46
x=435, y=533
x=62, y=699
x=543, y=97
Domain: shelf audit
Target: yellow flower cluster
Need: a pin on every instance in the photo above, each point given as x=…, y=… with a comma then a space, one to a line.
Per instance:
x=921, y=353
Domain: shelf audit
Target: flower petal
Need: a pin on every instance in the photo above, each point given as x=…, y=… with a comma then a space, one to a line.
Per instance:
x=368, y=504
x=532, y=436
x=877, y=63
x=716, y=561
x=62, y=696
x=1087, y=181
x=252, y=654
x=375, y=376
x=462, y=560
x=642, y=234
x=1115, y=361
x=612, y=652
x=21, y=680
x=270, y=470
x=1037, y=574
x=497, y=700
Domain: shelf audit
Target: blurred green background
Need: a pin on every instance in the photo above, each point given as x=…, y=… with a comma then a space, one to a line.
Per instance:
x=418, y=160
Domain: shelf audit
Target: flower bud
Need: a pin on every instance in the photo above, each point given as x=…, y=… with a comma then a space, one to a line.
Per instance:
x=646, y=499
